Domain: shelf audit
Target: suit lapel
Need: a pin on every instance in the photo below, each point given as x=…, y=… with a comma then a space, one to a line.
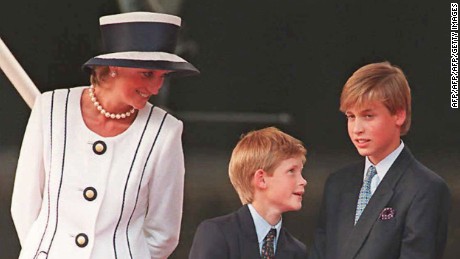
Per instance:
x=361, y=230
x=347, y=207
x=284, y=249
x=249, y=245
x=377, y=203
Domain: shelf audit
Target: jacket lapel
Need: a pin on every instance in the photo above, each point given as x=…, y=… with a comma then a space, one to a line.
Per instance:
x=249, y=246
x=361, y=230
x=284, y=249
x=377, y=203
x=347, y=206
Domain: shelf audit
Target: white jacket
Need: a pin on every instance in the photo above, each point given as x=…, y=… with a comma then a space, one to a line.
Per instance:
x=71, y=202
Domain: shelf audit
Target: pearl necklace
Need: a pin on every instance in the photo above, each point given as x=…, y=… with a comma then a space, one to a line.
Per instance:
x=107, y=114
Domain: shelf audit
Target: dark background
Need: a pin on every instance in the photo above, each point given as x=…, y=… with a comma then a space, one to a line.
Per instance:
x=265, y=57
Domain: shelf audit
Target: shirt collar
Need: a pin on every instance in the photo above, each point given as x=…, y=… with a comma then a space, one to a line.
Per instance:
x=262, y=226
x=383, y=166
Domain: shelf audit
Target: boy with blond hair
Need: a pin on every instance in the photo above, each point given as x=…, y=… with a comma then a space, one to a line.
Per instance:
x=266, y=171
x=389, y=205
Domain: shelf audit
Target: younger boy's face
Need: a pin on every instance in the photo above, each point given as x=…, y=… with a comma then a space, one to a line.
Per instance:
x=374, y=131
x=286, y=186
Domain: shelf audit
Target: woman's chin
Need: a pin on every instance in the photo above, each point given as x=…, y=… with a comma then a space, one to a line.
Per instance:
x=139, y=106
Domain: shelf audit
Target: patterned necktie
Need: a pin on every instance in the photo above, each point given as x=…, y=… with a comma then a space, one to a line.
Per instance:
x=268, y=247
x=365, y=193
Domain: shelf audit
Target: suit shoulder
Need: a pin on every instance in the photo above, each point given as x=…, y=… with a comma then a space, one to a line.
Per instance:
x=221, y=221
x=218, y=228
x=346, y=172
x=61, y=92
x=211, y=238
x=426, y=178
x=49, y=94
x=169, y=120
x=53, y=97
x=234, y=222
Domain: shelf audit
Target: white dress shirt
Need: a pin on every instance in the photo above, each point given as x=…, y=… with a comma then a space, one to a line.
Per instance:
x=382, y=167
x=262, y=227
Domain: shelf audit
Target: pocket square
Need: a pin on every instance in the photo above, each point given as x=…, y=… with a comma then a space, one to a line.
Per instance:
x=387, y=213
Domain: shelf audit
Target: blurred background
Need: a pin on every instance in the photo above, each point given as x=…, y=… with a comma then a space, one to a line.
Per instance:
x=280, y=63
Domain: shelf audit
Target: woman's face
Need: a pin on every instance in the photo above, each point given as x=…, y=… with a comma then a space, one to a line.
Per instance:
x=134, y=86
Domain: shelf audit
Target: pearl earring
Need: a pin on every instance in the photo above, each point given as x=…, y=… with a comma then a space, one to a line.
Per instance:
x=113, y=74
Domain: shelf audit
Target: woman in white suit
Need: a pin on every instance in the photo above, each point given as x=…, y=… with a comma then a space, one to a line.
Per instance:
x=101, y=170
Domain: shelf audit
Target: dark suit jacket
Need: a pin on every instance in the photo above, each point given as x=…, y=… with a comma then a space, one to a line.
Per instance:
x=233, y=236
x=419, y=197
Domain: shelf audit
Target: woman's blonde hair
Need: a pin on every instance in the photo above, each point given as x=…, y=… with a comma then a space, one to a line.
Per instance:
x=378, y=82
x=260, y=149
x=99, y=74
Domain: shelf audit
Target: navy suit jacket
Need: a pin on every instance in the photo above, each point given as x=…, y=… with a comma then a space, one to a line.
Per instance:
x=233, y=236
x=419, y=198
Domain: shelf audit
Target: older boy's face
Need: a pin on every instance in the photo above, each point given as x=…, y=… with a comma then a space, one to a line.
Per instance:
x=374, y=131
x=286, y=186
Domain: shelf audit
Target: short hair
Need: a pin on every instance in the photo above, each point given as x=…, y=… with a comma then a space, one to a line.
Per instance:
x=260, y=149
x=378, y=82
x=99, y=74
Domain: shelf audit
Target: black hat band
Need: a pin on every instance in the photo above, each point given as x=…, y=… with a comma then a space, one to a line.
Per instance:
x=140, y=36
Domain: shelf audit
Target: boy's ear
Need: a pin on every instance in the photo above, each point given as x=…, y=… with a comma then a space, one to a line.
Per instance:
x=400, y=117
x=259, y=179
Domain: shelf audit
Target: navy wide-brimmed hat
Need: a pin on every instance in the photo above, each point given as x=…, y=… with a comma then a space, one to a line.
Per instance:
x=141, y=40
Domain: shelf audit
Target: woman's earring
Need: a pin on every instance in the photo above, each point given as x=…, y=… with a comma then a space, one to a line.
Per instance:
x=113, y=74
